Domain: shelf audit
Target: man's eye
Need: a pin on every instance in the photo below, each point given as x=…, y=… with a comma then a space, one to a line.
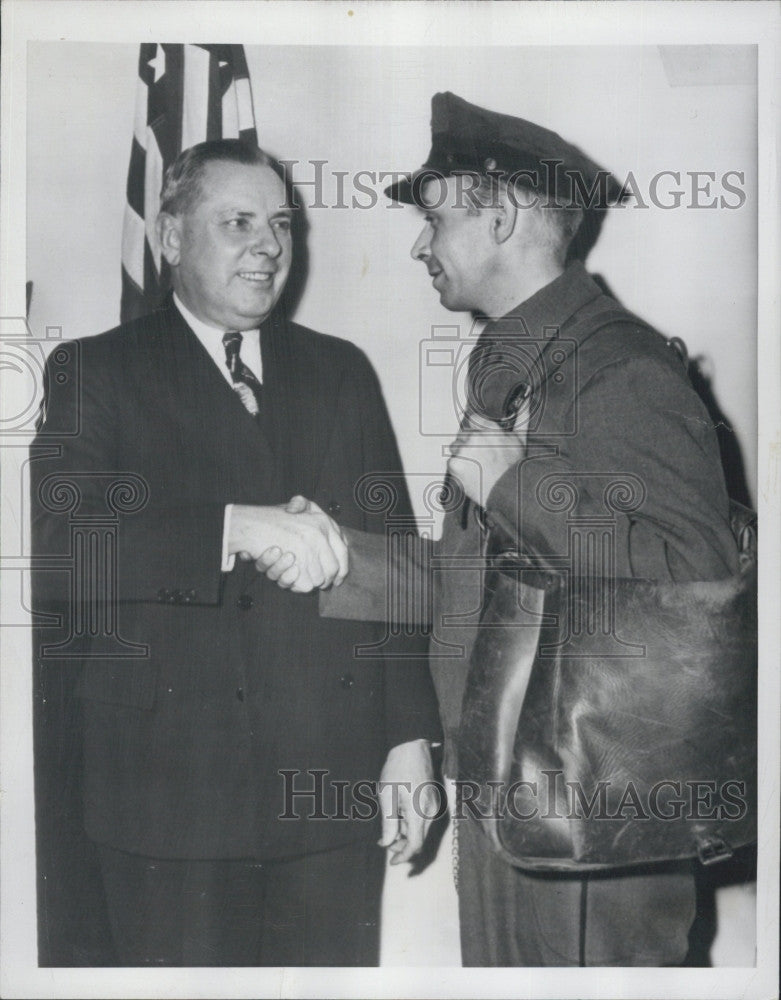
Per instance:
x=282, y=224
x=237, y=223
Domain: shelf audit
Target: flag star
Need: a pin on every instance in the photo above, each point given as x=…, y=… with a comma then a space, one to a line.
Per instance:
x=158, y=62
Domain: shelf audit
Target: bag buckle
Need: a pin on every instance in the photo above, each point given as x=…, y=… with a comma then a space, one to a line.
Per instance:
x=712, y=850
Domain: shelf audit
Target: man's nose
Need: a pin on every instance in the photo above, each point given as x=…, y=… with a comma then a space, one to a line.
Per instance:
x=420, y=248
x=265, y=241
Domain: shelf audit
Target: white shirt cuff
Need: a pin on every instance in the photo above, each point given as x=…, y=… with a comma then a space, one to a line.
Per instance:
x=228, y=559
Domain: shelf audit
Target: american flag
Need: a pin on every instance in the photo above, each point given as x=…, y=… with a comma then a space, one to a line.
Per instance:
x=186, y=94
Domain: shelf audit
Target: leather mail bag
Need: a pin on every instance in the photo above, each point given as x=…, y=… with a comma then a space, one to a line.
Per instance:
x=613, y=724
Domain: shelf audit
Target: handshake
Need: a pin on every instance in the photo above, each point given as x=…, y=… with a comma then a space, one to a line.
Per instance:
x=297, y=546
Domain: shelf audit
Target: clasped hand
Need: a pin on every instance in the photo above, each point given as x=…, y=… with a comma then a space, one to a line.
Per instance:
x=304, y=548
x=298, y=546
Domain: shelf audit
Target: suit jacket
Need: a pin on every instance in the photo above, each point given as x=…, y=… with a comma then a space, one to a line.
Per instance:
x=619, y=440
x=238, y=680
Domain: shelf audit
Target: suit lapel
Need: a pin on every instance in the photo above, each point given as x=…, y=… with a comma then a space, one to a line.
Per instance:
x=302, y=403
x=201, y=399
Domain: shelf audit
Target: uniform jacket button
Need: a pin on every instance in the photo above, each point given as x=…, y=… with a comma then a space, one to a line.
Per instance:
x=334, y=507
x=162, y=594
x=245, y=602
x=347, y=681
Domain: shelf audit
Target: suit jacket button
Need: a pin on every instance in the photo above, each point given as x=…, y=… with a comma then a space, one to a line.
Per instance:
x=334, y=508
x=162, y=594
x=190, y=595
x=245, y=602
x=240, y=694
x=347, y=681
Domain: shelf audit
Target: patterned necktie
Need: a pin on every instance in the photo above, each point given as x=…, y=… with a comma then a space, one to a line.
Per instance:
x=246, y=385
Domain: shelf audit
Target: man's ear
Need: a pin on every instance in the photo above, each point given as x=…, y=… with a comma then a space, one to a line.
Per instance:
x=504, y=215
x=168, y=229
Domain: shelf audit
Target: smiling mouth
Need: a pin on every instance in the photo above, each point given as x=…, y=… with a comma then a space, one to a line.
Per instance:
x=257, y=277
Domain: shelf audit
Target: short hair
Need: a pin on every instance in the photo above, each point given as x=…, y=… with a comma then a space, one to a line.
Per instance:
x=182, y=180
x=559, y=223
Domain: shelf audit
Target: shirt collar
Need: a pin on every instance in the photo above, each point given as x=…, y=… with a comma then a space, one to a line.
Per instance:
x=210, y=338
x=552, y=305
x=204, y=330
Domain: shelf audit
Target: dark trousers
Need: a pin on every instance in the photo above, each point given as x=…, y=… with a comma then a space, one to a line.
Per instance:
x=316, y=909
x=510, y=917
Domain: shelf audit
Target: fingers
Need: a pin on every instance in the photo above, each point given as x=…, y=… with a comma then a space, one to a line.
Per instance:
x=480, y=423
x=277, y=566
x=297, y=505
x=331, y=549
x=465, y=473
x=266, y=560
x=300, y=505
x=298, y=547
x=324, y=565
x=393, y=836
x=418, y=823
x=404, y=835
x=340, y=551
x=457, y=444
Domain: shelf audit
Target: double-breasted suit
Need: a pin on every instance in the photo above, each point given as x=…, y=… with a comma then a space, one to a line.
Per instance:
x=240, y=680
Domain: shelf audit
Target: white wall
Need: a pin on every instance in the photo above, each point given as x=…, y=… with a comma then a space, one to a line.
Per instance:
x=690, y=272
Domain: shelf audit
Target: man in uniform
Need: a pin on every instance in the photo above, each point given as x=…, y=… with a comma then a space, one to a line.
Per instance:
x=210, y=697
x=508, y=208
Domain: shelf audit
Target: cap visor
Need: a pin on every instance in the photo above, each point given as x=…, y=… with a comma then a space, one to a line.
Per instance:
x=401, y=191
x=409, y=190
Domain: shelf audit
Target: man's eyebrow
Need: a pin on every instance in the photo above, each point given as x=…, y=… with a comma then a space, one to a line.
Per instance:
x=232, y=210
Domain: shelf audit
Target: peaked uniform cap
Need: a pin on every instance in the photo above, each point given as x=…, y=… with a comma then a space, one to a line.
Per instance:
x=469, y=139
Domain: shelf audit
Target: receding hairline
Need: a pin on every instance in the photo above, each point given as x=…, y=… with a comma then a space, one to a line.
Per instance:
x=183, y=181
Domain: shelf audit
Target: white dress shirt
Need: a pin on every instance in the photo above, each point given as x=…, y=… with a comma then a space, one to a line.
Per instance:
x=211, y=339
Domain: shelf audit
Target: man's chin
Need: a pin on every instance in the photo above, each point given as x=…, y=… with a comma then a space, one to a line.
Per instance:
x=450, y=302
x=257, y=307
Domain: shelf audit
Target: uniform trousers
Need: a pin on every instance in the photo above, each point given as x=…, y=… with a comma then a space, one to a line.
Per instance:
x=310, y=910
x=511, y=917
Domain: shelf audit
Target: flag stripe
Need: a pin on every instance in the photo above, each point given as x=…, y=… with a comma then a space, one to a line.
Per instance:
x=145, y=56
x=246, y=112
x=230, y=115
x=195, y=96
x=152, y=183
x=185, y=94
x=214, y=120
x=133, y=237
x=135, y=177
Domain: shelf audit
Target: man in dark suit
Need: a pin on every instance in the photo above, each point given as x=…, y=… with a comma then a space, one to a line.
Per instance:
x=212, y=702
x=505, y=203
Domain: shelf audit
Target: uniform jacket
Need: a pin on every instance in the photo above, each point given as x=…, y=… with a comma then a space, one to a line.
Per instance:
x=617, y=437
x=239, y=679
